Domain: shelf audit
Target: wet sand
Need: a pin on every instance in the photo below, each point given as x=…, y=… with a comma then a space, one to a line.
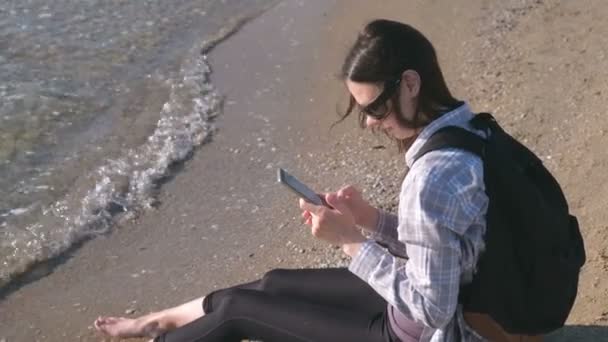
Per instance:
x=222, y=219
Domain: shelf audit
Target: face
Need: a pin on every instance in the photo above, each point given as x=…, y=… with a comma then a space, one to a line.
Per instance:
x=366, y=94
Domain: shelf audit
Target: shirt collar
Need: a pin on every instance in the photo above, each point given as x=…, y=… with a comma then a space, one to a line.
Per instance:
x=459, y=116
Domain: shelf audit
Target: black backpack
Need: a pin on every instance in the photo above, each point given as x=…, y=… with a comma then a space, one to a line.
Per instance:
x=527, y=278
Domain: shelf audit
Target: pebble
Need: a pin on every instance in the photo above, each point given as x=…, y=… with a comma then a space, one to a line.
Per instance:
x=130, y=311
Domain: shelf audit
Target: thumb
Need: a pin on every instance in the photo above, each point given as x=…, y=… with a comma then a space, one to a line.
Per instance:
x=332, y=200
x=347, y=191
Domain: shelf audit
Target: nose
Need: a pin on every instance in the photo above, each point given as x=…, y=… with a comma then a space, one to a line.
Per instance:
x=371, y=122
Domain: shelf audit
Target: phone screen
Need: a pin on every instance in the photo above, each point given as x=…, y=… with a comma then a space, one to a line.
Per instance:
x=298, y=187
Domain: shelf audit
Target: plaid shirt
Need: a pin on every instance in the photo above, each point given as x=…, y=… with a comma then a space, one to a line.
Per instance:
x=434, y=243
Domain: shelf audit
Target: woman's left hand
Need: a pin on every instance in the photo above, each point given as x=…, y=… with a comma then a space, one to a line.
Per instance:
x=335, y=225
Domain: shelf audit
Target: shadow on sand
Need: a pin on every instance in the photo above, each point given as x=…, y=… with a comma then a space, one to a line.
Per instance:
x=579, y=333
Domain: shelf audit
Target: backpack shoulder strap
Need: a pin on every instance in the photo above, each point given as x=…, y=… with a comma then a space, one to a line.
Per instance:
x=454, y=137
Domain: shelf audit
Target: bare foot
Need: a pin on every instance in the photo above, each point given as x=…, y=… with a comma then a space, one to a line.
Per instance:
x=126, y=327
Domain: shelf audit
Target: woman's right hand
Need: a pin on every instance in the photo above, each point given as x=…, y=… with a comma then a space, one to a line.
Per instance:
x=365, y=215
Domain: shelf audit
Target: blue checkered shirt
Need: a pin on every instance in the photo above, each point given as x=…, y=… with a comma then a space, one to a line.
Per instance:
x=418, y=260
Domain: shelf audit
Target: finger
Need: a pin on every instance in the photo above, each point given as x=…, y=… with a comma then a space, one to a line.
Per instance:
x=324, y=199
x=306, y=216
x=337, y=204
x=313, y=209
x=342, y=195
x=323, y=195
x=99, y=322
x=348, y=190
x=332, y=198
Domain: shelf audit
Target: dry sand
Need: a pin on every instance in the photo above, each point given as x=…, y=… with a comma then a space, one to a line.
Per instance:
x=538, y=65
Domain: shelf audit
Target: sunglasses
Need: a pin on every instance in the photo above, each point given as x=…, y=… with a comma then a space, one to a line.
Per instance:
x=379, y=108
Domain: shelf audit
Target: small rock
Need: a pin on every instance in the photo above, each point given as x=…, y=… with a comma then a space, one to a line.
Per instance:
x=130, y=311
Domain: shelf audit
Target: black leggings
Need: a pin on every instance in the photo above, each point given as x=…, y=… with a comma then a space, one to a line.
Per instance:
x=305, y=305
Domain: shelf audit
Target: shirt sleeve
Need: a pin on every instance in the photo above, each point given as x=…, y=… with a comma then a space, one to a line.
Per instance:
x=436, y=208
x=386, y=234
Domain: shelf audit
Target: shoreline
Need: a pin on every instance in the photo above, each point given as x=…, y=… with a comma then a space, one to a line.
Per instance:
x=133, y=149
x=157, y=260
x=222, y=215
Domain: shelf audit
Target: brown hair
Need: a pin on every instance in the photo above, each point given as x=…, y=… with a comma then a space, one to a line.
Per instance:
x=381, y=53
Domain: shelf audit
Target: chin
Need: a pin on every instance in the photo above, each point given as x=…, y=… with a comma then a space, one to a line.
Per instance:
x=405, y=135
x=401, y=136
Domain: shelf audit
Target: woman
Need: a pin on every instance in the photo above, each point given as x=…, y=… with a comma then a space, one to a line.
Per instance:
x=404, y=279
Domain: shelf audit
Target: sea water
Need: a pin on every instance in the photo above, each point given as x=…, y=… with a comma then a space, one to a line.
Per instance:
x=98, y=99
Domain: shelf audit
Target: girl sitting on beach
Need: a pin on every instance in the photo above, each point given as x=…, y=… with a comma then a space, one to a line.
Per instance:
x=404, y=278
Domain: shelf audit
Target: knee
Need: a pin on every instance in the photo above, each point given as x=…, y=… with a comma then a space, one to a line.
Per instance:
x=236, y=302
x=271, y=281
x=228, y=300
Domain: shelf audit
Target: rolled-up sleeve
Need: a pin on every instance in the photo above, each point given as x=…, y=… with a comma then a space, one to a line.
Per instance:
x=435, y=209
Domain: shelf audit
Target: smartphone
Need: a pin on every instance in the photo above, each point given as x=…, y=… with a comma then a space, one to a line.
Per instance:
x=293, y=184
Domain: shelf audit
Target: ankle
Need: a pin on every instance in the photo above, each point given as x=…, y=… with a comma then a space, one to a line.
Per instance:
x=154, y=330
x=150, y=325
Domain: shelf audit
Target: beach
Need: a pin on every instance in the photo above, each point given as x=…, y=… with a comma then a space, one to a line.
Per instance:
x=219, y=218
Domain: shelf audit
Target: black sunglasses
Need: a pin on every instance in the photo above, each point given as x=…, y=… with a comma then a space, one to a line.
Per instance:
x=379, y=109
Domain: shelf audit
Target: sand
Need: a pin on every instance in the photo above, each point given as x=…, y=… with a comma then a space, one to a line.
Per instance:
x=538, y=65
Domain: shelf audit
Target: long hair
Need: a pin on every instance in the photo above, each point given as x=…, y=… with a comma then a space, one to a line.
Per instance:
x=381, y=53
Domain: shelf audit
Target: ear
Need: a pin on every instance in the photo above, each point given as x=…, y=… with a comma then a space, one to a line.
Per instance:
x=411, y=80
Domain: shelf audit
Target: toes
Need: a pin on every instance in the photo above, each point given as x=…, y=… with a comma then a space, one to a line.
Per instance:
x=112, y=320
x=101, y=322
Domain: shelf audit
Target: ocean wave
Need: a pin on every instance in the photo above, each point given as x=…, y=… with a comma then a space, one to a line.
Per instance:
x=123, y=186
